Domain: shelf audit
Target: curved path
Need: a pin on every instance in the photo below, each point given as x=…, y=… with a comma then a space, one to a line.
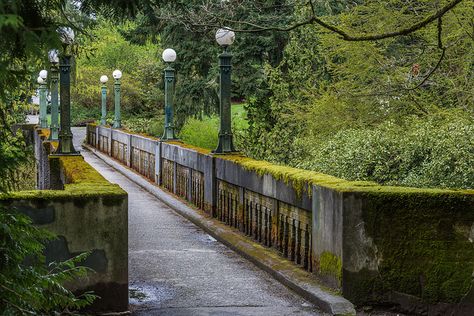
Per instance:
x=177, y=269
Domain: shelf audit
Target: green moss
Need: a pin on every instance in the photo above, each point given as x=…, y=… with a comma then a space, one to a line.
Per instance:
x=330, y=264
x=302, y=180
x=422, y=241
x=195, y=148
x=82, y=181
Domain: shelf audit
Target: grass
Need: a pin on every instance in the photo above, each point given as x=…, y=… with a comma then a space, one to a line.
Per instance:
x=204, y=133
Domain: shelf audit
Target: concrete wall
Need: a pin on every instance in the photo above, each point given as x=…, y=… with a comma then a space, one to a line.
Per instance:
x=355, y=236
x=88, y=214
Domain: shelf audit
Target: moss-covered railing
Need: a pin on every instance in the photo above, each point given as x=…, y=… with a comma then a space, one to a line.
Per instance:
x=376, y=244
x=88, y=214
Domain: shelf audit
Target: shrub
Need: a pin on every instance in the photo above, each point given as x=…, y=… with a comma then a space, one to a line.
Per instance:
x=28, y=286
x=432, y=152
x=152, y=126
x=202, y=133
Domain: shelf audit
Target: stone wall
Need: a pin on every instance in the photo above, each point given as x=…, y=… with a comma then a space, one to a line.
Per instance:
x=88, y=214
x=376, y=244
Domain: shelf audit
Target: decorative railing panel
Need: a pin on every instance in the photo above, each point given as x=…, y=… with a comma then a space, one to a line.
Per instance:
x=103, y=143
x=228, y=204
x=197, y=188
x=294, y=233
x=183, y=178
x=119, y=151
x=143, y=162
x=168, y=174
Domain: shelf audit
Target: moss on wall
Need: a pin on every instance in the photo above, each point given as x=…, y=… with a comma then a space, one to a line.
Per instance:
x=301, y=179
x=82, y=181
x=331, y=265
x=424, y=243
x=195, y=148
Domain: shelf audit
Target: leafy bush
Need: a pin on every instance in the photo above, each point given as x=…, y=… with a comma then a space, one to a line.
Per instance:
x=430, y=152
x=151, y=126
x=202, y=133
x=28, y=286
x=141, y=66
x=81, y=114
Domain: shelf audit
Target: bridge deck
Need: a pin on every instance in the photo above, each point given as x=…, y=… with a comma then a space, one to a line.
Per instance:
x=177, y=269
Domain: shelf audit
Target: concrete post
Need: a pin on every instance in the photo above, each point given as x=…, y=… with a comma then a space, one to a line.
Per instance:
x=130, y=151
x=110, y=141
x=158, y=163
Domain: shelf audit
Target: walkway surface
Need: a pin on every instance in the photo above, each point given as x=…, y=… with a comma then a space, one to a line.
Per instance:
x=175, y=268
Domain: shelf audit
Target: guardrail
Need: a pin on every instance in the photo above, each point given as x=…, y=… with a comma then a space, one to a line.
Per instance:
x=87, y=213
x=373, y=243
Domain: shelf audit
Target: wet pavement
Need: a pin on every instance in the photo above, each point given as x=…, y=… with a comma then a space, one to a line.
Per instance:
x=175, y=268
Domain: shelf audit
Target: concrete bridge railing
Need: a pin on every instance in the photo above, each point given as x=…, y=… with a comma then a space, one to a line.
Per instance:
x=406, y=246
x=87, y=213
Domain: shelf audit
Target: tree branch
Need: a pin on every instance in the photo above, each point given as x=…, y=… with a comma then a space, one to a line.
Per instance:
x=313, y=19
x=345, y=36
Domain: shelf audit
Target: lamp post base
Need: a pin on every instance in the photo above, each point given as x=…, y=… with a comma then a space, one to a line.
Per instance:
x=66, y=146
x=225, y=145
x=44, y=123
x=54, y=134
x=169, y=134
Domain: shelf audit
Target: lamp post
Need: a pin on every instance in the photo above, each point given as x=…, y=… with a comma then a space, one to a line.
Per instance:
x=225, y=37
x=54, y=71
x=169, y=56
x=43, y=120
x=117, y=74
x=66, y=146
x=103, y=80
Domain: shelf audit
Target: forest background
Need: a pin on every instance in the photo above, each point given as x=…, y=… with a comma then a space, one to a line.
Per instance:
x=397, y=111
x=363, y=90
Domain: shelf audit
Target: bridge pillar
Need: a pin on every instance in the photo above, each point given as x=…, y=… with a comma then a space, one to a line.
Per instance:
x=158, y=163
x=210, y=187
x=110, y=142
x=130, y=150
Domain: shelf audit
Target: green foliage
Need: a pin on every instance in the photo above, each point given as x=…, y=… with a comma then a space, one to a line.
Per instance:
x=151, y=126
x=108, y=50
x=329, y=91
x=201, y=133
x=197, y=51
x=29, y=286
x=429, y=152
x=12, y=146
x=81, y=115
x=204, y=132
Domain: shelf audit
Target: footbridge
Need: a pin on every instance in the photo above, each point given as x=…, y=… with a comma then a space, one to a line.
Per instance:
x=177, y=230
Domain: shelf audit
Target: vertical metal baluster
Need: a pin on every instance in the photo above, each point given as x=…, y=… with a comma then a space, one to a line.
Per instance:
x=270, y=228
x=244, y=217
x=265, y=231
x=298, y=243
x=234, y=212
x=280, y=232
x=231, y=210
x=285, y=236
x=293, y=240
x=306, y=248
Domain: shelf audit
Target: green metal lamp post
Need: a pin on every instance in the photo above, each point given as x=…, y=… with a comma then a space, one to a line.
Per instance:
x=43, y=119
x=103, y=80
x=225, y=37
x=54, y=71
x=66, y=146
x=117, y=74
x=169, y=56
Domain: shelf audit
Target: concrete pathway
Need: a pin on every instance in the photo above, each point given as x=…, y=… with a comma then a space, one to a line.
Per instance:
x=32, y=119
x=177, y=269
